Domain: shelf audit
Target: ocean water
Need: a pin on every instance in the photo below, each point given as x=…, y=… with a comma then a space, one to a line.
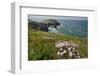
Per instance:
x=74, y=27
x=69, y=25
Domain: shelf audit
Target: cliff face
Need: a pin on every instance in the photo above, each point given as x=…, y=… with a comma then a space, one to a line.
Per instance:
x=45, y=25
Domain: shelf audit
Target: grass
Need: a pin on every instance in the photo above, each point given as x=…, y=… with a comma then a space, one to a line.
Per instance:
x=41, y=45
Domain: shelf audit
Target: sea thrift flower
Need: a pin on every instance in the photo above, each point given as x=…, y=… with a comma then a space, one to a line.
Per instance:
x=65, y=51
x=70, y=54
x=67, y=47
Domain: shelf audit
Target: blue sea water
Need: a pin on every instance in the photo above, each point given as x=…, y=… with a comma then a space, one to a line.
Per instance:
x=69, y=25
x=74, y=27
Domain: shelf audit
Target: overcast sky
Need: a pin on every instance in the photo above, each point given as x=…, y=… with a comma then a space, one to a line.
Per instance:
x=44, y=17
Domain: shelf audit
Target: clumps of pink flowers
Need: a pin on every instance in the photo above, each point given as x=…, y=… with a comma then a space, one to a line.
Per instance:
x=67, y=48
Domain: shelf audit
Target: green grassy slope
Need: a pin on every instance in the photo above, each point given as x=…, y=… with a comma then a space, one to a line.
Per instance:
x=41, y=45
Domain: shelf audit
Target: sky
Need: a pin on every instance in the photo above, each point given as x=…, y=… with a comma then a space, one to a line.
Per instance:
x=44, y=17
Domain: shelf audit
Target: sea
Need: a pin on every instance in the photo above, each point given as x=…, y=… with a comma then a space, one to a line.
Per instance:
x=73, y=27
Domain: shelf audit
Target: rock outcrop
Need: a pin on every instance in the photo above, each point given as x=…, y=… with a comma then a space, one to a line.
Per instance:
x=44, y=25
